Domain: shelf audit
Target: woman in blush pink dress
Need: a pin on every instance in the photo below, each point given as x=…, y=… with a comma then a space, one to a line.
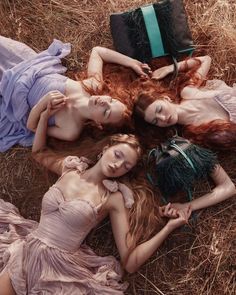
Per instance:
x=50, y=257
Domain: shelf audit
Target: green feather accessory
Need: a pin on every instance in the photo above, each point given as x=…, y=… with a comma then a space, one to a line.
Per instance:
x=177, y=164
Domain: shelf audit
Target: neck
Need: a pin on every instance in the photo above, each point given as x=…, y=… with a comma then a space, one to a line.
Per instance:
x=79, y=107
x=186, y=111
x=94, y=174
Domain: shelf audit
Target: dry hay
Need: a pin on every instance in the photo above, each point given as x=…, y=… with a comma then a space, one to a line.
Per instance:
x=196, y=260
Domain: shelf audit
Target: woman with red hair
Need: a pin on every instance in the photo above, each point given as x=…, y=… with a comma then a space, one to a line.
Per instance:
x=207, y=113
x=29, y=80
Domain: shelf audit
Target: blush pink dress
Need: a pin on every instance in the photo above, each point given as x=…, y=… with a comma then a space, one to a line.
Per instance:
x=50, y=257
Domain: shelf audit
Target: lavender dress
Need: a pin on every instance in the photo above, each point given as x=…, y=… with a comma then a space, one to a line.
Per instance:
x=50, y=257
x=25, y=77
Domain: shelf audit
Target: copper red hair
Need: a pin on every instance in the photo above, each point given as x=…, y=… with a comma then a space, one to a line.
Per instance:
x=215, y=134
x=116, y=81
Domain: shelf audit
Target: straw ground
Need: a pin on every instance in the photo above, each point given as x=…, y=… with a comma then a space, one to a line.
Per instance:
x=197, y=260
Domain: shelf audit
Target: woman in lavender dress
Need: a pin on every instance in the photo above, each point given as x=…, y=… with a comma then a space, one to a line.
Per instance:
x=29, y=80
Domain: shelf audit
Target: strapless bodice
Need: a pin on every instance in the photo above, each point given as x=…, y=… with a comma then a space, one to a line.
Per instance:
x=64, y=223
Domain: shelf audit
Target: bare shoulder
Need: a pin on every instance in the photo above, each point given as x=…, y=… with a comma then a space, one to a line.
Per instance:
x=115, y=202
x=93, y=82
x=191, y=92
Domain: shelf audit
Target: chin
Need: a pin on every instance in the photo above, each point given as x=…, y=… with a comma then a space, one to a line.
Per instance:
x=107, y=172
x=174, y=120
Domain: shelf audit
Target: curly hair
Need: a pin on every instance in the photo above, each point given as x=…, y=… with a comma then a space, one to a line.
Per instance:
x=115, y=83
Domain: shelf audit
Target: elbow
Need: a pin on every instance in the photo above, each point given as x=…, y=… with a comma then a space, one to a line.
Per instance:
x=206, y=59
x=30, y=127
x=226, y=190
x=130, y=268
x=230, y=189
x=98, y=50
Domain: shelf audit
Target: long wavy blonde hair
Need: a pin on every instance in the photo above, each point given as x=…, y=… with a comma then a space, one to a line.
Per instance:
x=144, y=216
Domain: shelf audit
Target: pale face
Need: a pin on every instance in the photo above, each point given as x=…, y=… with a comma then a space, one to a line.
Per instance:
x=162, y=113
x=118, y=160
x=105, y=109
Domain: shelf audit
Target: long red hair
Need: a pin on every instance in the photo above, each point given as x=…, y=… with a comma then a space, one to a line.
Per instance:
x=218, y=134
x=144, y=215
x=116, y=82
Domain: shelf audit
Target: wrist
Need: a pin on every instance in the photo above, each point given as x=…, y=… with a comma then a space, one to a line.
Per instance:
x=169, y=227
x=43, y=117
x=132, y=63
x=170, y=69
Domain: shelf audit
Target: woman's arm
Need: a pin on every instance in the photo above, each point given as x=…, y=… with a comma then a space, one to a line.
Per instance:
x=39, y=149
x=120, y=227
x=55, y=97
x=99, y=55
x=185, y=65
x=223, y=190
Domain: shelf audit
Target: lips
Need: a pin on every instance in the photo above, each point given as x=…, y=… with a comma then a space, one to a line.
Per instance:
x=111, y=168
x=169, y=120
x=95, y=100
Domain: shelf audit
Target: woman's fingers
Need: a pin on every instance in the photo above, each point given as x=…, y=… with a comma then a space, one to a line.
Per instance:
x=58, y=101
x=185, y=213
x=168, y=211
x=167, y=207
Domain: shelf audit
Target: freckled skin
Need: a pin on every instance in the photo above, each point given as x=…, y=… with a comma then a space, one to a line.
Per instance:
x=118, y=160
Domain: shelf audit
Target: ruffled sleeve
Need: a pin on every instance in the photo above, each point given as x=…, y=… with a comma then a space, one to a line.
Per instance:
x=114, y=186
x=73, y=162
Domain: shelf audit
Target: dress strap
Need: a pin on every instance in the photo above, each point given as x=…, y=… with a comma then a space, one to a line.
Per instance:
x=77, y=163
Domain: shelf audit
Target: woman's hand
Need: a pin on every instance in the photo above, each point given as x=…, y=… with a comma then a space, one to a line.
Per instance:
x=181, y=219
x=168, y=211
x=54, y=96
x=142, y=69
x=162, y=72
x=53, y=106
x=180, y=206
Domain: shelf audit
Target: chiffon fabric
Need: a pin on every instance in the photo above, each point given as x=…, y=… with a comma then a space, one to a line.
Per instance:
x=25, y=77
x=50, y=257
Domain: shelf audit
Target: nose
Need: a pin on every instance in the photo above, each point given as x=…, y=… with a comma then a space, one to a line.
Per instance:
x=118, y=164
x=161, y=117
x=103, y=102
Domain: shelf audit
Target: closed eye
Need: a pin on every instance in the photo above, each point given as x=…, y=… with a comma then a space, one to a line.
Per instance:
x=127, y=167
x=154, y=121
x=158, y=109
x=107, y=113
x=117, y=154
